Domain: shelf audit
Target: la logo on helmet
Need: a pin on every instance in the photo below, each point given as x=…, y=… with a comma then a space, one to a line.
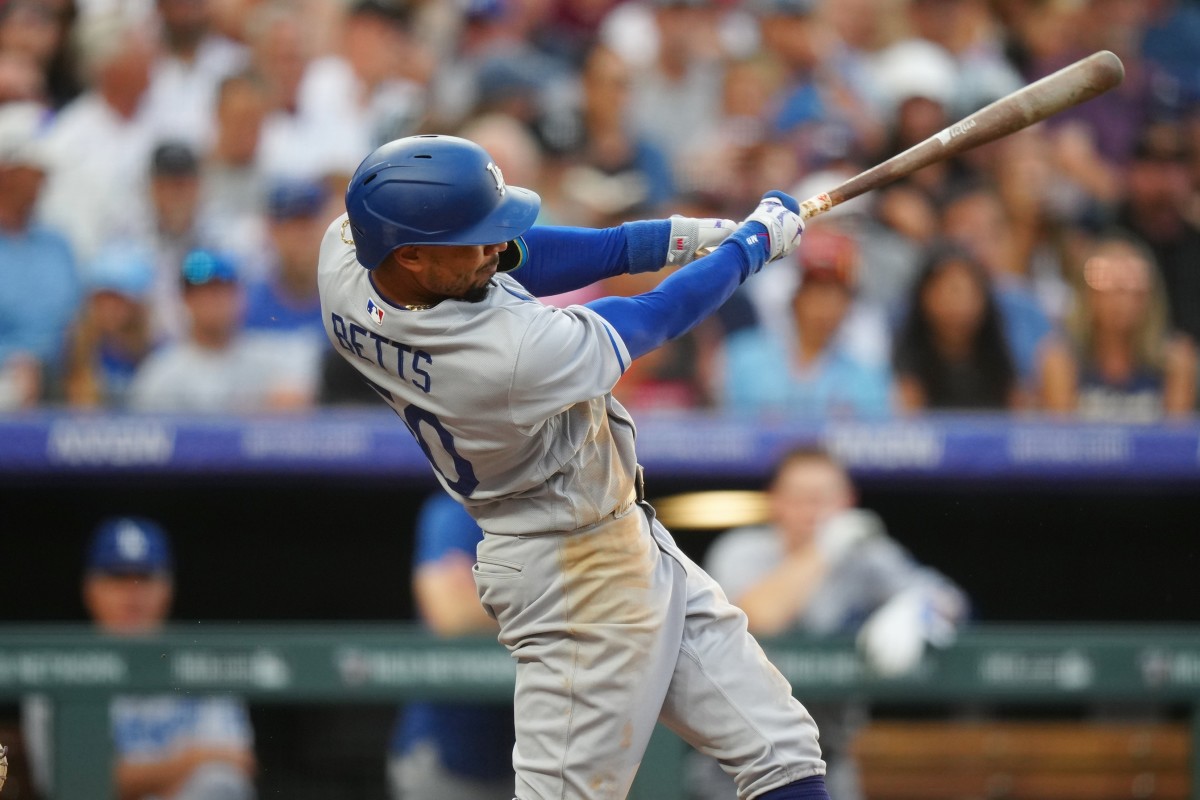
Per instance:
x=498, y=175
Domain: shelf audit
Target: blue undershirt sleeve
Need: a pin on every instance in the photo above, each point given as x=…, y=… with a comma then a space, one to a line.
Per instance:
x=683, y=299
x=562, y=259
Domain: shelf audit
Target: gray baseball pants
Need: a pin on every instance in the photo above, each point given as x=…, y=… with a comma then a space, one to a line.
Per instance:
x=613, y=628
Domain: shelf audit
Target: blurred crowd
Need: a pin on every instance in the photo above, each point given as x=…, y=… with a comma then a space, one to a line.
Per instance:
x=168, y=168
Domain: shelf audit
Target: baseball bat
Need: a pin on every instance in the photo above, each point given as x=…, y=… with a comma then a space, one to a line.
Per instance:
x=1068, y=87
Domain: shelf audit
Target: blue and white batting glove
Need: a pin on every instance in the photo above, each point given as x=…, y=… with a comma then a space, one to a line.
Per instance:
x=693, y=238
x=772, y=230
x=894, y=637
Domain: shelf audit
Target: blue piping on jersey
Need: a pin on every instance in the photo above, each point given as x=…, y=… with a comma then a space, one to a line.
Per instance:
x=526, y=297
x=616, y=347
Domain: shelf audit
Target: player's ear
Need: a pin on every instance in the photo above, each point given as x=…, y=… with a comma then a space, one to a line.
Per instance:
x=409, y=257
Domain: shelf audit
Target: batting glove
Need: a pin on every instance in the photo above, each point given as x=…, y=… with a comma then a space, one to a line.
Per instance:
x=772, y=231
x=895, y=636
x=694, y=238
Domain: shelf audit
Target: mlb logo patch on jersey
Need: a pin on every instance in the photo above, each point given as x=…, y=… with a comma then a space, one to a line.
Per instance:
x=375, y=310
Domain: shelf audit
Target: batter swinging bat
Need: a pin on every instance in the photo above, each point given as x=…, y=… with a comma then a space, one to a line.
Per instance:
x=1068, y=87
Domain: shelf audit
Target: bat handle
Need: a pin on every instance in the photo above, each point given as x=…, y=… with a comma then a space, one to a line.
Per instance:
x=817, y=204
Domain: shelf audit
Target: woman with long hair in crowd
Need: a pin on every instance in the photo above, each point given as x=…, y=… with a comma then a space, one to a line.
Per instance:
x=1120, y=361
x=951, y=352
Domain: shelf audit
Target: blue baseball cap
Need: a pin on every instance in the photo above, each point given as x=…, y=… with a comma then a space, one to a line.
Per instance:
x=126, y=270
x=296, y=198
x=203, y=266
x=129, y=546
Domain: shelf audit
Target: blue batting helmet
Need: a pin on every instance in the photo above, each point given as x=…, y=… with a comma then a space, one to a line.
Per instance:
x=433, y=190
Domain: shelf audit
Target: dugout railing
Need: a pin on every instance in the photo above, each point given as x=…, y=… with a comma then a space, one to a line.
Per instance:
x=1029, y=667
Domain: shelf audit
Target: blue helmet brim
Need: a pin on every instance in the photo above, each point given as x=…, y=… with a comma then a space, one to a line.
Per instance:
x=512, y=216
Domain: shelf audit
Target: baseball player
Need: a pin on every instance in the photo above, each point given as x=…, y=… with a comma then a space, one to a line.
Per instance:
x=612, y=627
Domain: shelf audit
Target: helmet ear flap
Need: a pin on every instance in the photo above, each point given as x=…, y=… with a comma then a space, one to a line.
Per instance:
x=514, y=256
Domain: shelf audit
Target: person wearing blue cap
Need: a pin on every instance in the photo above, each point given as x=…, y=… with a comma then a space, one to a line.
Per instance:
x=168, y=747
x=128, y=584
x=112, y=335
x=287, y=300
x=219, y=367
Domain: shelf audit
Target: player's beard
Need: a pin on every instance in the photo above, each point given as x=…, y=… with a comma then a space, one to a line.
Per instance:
x=477, y=294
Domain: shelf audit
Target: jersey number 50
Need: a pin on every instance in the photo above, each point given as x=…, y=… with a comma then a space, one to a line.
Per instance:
x=466, y=481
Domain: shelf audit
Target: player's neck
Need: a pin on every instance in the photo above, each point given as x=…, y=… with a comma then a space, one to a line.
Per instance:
x=398, y=287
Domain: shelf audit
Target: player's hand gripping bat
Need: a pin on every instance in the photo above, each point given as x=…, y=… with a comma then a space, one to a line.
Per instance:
x=1068, y=87
x=3, y=765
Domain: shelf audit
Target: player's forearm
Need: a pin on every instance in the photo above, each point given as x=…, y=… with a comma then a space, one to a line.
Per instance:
x=135, y=780
x=562, y=259
x=448, y=602
x=679, y=303
x=773, y=605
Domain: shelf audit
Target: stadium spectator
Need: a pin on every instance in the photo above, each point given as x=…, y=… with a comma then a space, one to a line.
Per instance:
x=821, y=113
x=218, y=367
x=822, y=566
x=1121, y=363
x=390, y=70
x=1159, y=208
x=99, y=143
x=951, y=352
x=673, y=48
x=20, y=78
x=190, y=65
x=450, y=751
x=493, y=65
x=918, y=81
x=39, y=288
x=40, y=31
x=976, y=219
x=175, y=229
x=113, y=335
x=611, y=172
x=815, y=370
x=740, y=157
x=1172, y=42
x=168, y=747
x=970, y=33
x=286, y=300
x=233, y=184
x=311, y=130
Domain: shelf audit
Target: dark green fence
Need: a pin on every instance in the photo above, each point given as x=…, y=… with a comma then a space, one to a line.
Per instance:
x=80, y=671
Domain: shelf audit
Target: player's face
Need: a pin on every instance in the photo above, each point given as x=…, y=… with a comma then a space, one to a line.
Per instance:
x=128, y=604
x=460, y=271
x=804, y=496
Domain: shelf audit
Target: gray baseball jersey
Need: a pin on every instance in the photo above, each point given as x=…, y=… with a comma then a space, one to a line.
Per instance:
x=508, y=398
